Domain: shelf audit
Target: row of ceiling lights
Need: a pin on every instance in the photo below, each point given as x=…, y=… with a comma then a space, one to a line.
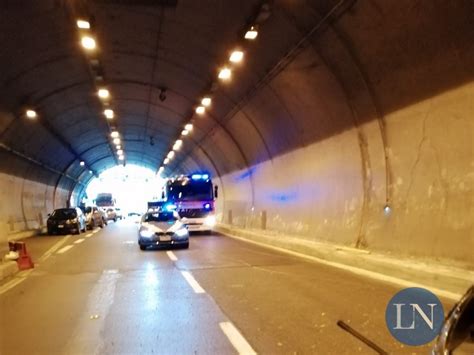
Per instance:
x=224, y=74
x=88, y=42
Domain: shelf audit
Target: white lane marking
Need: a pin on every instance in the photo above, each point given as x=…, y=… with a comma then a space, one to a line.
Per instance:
x=87, y=337
x=79, y=241
x=53, y=249
x=192, y=282
x=171, y=255
x=236, y=339
x=355, y=270
x=65, y=249
x=89, y=235
x=16, y=281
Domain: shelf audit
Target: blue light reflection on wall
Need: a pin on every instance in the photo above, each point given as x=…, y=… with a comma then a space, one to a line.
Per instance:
x=247, y=174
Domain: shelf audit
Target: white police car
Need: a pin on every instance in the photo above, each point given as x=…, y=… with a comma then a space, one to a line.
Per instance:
x=162, y=228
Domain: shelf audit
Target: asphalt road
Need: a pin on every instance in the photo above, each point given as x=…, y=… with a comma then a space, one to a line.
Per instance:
x=97, y=293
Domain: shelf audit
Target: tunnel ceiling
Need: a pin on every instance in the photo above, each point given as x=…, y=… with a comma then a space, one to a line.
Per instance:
x=159, y=58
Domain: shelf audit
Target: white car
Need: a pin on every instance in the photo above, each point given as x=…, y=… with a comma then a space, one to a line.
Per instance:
x=162, y=229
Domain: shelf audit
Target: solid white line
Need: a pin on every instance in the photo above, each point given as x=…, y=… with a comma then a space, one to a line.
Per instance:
x=236, y=339
x=171, y=255
x=16, y=281
x=79, y=241
x=65, y=249
x=355, y=270
x=192, y=282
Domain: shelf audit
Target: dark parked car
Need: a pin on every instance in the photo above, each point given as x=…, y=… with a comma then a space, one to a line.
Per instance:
x=66, y=220
x=94, y=217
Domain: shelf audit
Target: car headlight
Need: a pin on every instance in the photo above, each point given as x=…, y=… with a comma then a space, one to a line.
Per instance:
x=146, y=233
x=210, y=221
x=182, y=232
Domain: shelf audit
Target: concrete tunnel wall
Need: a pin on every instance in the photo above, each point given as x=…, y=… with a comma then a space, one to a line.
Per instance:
x=375, y=109
x=352, y=125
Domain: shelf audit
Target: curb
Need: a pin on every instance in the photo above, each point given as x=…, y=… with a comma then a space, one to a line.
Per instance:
x=449, y=282
x=8, y=268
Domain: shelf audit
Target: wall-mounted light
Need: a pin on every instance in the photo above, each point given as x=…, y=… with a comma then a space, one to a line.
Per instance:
x=103, y=93
x=236, y=56
x=109, y=113
x=206, y=101
x=251, y=33
x=225, y=73
x=200, y=110
x=31, y=114
x=88, y=42
x=83, y=24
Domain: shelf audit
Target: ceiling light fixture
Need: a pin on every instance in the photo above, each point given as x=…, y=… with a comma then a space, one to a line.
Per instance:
x=178, y=144
x=184, y=132
x=206, y=101
x=189, y=127
x=114, y=134
x=225, y=73
x=31, y=114
x=236, y=56
x=121, y=157
x=251, y=33
x=170, y=155
x=166, y=161
x=116, y=141
x=109, y=113
x=88, y=42
x=103, y=93
x=200, y=110
x=120, y=152
x=82, y=163
x=83, y=24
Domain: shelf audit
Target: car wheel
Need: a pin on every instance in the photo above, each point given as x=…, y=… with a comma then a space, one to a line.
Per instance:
x=142, y=247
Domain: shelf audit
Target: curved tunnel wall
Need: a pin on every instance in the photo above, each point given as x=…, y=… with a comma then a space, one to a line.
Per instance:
x=374, y=111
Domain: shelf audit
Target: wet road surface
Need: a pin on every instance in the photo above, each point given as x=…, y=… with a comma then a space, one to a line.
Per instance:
x=97, y=293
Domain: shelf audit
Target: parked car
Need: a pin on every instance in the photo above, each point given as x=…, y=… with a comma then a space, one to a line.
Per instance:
x=66, y=220
x=162, y=229
x=111, y=215
x=118, y=213
x=94, y=217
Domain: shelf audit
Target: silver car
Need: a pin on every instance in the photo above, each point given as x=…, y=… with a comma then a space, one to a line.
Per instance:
x=162, y=229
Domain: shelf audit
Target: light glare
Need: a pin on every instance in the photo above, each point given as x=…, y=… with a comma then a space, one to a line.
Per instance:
x=83, y=24
x=225, y=74
x=31, y=114
x=251, y=34
x=206, y=101
x=236, y=56
x=88, y=42
x=109, y=113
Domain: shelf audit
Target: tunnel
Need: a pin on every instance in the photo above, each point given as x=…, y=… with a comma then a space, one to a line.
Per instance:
x=343, y=124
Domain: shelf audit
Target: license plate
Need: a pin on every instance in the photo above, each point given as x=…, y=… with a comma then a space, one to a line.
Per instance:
x=165, y=238
x=60, y=225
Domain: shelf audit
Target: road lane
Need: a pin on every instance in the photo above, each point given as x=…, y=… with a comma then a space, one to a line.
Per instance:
x=103, y=295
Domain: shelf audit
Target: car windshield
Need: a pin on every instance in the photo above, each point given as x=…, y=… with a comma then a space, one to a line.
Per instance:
x=160, y=217
x=64, y=213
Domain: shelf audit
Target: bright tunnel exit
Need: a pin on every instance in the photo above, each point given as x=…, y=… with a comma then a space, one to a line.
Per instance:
x=131, y=187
